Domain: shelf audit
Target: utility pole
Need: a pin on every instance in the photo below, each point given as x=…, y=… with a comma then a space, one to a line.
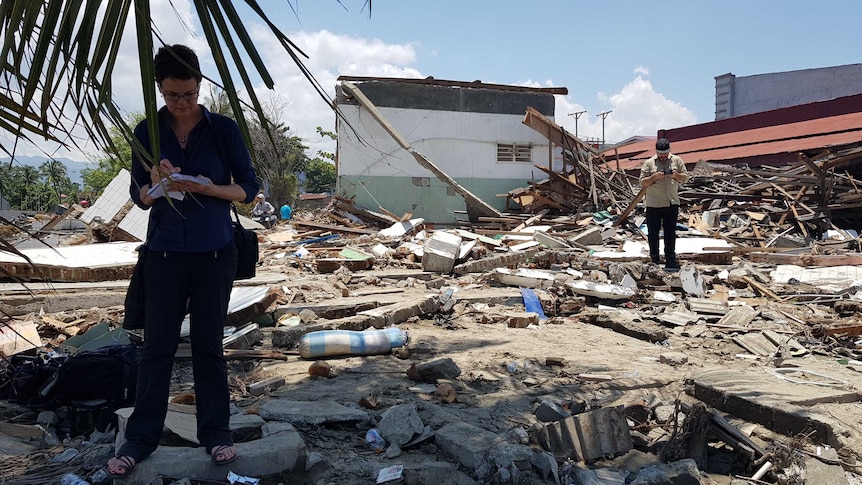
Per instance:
x=577, y=115
x=604, y=114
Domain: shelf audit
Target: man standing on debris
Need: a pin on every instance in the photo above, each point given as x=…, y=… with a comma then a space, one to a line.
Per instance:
x=191, y=257
x=661, y=175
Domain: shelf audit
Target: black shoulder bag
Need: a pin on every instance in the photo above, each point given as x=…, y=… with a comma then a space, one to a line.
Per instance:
x=134, y=314
x=246, y=249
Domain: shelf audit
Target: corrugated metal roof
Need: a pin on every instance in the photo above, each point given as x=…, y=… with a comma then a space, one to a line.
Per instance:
x=787, y=139
x=459, y=84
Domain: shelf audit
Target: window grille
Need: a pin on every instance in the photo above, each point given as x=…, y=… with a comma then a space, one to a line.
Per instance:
x=514, y=152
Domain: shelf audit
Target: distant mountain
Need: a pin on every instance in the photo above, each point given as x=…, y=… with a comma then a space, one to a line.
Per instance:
x=73, y=168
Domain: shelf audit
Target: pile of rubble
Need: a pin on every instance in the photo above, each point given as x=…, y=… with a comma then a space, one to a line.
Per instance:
x=540, y=347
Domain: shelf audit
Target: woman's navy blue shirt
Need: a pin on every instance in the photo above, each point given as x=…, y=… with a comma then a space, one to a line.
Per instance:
x=215, y=149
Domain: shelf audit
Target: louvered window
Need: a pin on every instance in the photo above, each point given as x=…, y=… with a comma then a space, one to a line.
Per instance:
x=514, y=152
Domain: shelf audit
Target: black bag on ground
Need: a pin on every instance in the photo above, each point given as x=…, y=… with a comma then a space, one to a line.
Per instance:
x=133, y=318
x=109, y=373
x=26, y=374
x=246, y=249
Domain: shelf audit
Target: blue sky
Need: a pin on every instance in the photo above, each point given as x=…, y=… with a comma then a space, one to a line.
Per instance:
x=652, y=63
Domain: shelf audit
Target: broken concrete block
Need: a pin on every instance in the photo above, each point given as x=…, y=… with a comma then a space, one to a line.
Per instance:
x=550, y=241
x=440, y=252
x=587, y=436
x=591, y=236
x=310, y=413
x=521, y=319
x=401, y=228
x=246, y=427
x=673, y=358
x=600, y=290
x=265, y=386
x=524, y=277
x=399, y=424
x=382, y=251
x=438, y=369
x=682, y=471
x=549, y=411
x=466, y=443
x=546, y=465
x=244, y=338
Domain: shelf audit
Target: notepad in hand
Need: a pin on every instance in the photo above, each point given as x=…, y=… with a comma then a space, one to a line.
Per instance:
x=158, y=190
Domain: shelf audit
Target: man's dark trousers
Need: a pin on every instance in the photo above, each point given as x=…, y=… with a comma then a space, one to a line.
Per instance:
x=662, y=218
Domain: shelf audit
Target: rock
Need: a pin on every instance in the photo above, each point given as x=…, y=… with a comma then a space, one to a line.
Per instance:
x=674, y=359
x=399, y=424
x=438, y=369
x=550, y=411
x=320, y=368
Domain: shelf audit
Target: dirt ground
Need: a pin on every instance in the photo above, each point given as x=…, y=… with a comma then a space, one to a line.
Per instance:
x=503, y=377
x=505, y=373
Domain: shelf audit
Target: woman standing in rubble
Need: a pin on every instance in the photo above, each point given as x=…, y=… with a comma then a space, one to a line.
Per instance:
x=191, y=258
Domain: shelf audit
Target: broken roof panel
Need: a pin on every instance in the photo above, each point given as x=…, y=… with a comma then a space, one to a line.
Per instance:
x=91, y=262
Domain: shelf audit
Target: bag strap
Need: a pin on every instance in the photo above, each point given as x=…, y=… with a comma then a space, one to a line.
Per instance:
x=235, y=213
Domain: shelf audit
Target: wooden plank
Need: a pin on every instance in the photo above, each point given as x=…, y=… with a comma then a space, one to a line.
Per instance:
x=807, y=259
x=630, y=208
x=329, y=227
x=760, y=288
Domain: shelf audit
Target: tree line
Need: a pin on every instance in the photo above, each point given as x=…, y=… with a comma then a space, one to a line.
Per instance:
x=277, y=164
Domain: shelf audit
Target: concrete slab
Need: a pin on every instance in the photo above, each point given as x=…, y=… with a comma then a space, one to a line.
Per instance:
x=304, y=413
x=779, y=404
x=275, y=454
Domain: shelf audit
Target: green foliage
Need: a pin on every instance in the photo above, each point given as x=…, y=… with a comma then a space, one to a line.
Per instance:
x=37, y=189
x=116, y=157
x=277, y=154
x=332, y=136
x=319, y=176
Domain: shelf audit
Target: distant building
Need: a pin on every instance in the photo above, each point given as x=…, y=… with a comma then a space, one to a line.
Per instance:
x=471, y=131
x=738, y=96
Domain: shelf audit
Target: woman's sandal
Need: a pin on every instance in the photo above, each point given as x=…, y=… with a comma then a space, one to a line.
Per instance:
x=125, y=463
x=219, y=452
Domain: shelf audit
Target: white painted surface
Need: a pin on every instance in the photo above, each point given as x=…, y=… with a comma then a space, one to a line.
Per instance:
x=84, y=256
x=464, y=145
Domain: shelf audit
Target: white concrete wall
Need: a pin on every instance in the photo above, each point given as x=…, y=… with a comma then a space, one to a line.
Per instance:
x=464, y=145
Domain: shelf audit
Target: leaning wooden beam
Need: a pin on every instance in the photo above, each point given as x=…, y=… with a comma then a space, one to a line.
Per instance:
x=622, y=218
x=475, y=206
x=553, y=131
x=382, y=220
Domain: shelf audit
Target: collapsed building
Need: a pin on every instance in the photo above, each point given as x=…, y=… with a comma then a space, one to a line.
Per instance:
x=538, y=346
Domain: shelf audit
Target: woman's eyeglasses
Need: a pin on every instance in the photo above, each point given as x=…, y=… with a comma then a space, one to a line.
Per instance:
x=176, y=97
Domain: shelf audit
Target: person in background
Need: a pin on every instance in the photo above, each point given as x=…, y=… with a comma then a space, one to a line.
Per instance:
x=286, y=211
x=661, y=175
x=263, y=212
x=191, y=262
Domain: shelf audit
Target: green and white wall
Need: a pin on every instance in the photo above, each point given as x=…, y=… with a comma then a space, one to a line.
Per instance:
x=458, y=129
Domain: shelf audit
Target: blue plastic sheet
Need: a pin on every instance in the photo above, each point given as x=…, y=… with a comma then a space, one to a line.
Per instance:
x=532, y=303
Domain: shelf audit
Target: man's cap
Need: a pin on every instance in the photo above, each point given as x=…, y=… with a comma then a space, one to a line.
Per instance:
x=259, y=196
x=662, y=145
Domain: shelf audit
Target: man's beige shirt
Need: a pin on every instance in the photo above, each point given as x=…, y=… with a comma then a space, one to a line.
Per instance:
x=664, y=192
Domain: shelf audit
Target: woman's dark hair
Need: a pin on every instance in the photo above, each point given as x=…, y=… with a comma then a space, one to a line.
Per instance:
x=177, y=61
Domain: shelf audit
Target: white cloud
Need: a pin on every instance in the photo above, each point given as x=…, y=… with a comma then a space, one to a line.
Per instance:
x=330, y=56
x=637, y=109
